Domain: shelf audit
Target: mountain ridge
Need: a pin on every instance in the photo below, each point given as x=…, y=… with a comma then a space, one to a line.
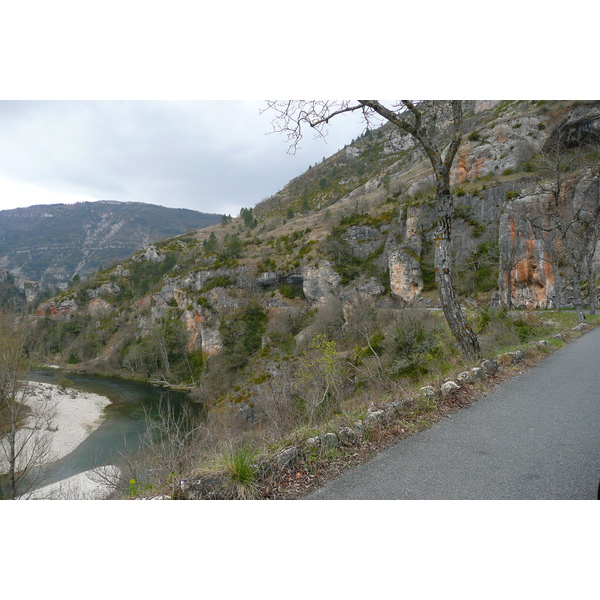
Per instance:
x=50, y=244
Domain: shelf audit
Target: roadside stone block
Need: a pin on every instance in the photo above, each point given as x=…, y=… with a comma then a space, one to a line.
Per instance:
x=464, y=377
x=375, y=416
x=477, y=373
x=286, y=457
x=449, y=387
x=428, y=392
x=346, y=435
x=490, y=366
x=330, y=440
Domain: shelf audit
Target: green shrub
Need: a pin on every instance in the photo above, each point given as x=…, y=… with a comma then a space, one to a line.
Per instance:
x=525, y=330
x=216, y=281
x=288, y=290
x=417, y=347
x=242, y=334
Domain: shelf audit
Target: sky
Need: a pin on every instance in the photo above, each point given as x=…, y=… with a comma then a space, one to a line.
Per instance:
x=131, y=102
x=207, y=155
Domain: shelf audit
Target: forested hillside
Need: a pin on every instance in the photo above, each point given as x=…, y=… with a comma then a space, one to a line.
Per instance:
x=48, y=245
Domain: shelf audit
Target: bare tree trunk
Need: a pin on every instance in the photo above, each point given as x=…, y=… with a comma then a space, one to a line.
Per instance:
x=509, y=289
x=592, y=290
x=557, y=289
x=24, y=438
x=462, y=331
x=577, y=295
x=411, y=118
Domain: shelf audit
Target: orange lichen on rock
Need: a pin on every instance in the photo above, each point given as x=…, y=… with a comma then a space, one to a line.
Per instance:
x=460, y=170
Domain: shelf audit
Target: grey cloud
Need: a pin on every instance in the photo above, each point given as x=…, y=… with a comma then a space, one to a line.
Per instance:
x=213, y=156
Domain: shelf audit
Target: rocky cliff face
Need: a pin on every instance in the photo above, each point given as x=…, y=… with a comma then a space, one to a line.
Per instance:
x=357, y=232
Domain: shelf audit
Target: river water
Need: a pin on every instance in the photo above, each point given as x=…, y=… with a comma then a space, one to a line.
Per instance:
x=123, y=424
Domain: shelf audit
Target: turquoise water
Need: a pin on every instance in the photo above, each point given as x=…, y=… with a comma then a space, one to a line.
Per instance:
x=123, y=424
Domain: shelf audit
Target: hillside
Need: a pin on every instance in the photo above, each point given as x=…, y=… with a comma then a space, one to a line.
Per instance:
x=50, y=244
x=360, y=223
x=293, y=315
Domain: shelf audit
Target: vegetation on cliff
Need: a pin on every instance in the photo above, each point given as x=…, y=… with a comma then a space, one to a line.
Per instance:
x=321, y=301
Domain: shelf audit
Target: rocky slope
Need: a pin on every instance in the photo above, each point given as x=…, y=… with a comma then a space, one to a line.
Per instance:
x=47, y=245
x=352, y=233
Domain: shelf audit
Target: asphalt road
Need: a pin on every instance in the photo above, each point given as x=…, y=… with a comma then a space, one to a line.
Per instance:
x=535, y=437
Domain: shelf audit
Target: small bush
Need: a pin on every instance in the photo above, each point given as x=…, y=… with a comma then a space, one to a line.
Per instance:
x=288, y=290
x=63, y=383
x=417, y=347
x=525, y=331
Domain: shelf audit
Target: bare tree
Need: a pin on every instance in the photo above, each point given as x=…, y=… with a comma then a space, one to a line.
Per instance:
x=320, y=378
x=172, y=445
x=25, y=418
x=275, y=399
x=437, y=126
x=511, y=251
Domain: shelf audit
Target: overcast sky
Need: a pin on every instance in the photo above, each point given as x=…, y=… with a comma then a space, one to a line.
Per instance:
x=211, y=156
x=69, y=140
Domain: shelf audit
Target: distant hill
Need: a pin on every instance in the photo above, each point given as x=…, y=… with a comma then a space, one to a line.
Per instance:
x=50, y=244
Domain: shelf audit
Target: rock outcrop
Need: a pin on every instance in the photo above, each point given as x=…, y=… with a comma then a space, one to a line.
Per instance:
x=320, y=282
x=405, y=276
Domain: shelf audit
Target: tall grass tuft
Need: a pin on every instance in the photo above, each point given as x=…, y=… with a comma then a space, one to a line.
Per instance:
x=239, y=466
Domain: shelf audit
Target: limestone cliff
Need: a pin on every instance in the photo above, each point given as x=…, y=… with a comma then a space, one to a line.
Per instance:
x=356, y=232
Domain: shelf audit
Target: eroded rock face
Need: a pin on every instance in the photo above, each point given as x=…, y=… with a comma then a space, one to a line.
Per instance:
x=150, y=254
x=540, y=273
x=109, y=288
x=358, y=298
x=62, y=308
x=406, y=280
x=364, y=240
x=498, y=148
x=320, y=282
x=99, y=307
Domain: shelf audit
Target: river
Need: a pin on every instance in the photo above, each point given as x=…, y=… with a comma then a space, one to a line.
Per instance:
x=123, y=424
